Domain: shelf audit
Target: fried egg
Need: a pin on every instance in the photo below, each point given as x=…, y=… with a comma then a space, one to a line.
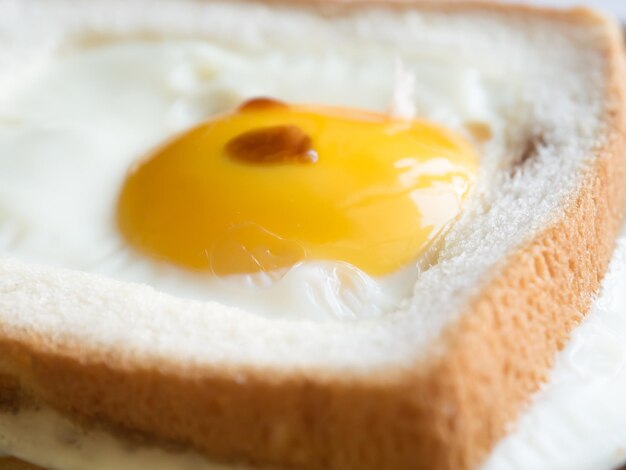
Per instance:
x=159, y=163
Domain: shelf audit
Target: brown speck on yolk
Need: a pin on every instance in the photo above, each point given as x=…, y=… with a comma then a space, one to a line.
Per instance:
x=261, y=104
x=271, y=145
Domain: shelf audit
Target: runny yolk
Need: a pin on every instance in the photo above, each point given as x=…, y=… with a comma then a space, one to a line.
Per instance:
x=270, y=185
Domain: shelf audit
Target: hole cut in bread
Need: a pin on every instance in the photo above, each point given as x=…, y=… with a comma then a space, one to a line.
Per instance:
x=431, y=385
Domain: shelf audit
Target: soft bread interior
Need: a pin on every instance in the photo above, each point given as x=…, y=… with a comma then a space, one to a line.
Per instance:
x=537, y=82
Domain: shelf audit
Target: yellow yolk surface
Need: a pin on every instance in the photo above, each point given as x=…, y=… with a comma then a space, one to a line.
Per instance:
x=270, y=185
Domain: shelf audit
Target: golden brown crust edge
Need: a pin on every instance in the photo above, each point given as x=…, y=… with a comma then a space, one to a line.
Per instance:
x=446, y=417
x=8, y=463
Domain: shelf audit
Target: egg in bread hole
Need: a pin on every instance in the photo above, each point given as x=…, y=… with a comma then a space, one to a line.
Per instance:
x=294, y=207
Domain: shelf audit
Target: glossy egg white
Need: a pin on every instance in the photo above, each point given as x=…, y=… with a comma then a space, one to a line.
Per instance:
x=70, y=133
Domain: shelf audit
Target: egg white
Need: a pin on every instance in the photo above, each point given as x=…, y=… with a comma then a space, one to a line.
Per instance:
x=70, y=132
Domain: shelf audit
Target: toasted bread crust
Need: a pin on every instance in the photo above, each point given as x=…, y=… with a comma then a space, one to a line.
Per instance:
x=445, y=416
x=8, y=463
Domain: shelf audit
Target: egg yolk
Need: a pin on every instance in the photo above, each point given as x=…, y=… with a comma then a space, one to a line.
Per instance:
x=270, y=185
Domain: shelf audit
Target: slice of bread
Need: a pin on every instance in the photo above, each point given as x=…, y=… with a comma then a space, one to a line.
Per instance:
x=433, y=385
